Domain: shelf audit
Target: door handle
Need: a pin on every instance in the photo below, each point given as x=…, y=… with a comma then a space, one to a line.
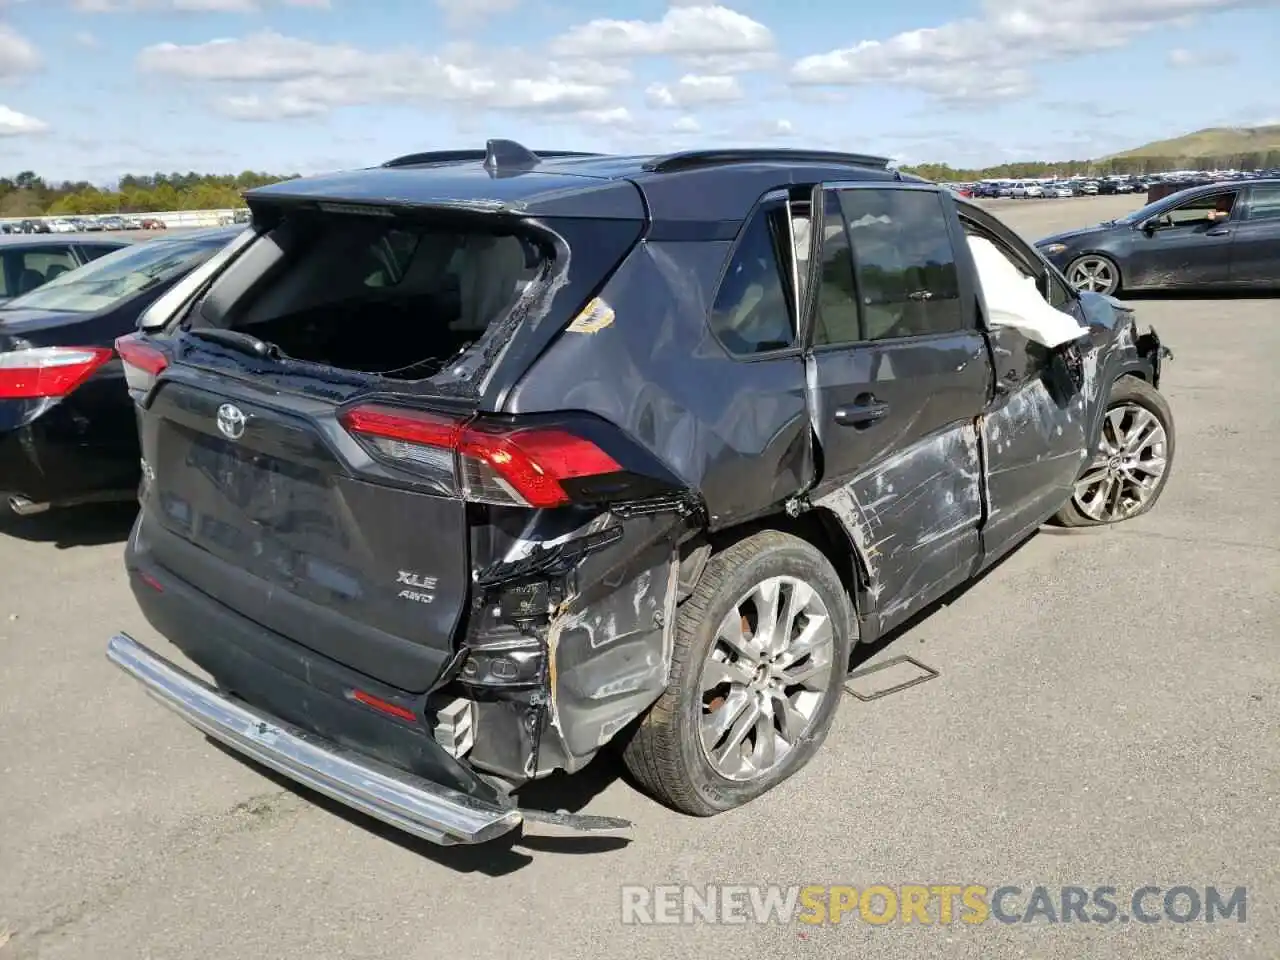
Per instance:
x=920, y=295
x=865, y=410
x=1218, y=232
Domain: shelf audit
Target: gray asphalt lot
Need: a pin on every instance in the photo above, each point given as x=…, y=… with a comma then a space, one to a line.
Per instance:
x=1108, y=713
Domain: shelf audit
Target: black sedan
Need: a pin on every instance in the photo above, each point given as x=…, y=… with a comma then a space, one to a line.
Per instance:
x=68, y=433
x=28, y=262
x=1222, y=235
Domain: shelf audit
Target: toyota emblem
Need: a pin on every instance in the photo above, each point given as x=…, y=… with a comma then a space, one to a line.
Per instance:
x=231, y=421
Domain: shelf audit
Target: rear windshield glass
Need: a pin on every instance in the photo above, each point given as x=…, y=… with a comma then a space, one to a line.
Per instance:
x=377, y=295
x=106, y=281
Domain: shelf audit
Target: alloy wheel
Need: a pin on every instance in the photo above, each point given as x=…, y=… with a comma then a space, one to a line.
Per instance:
x=1093, y=274
x=1127, y=469
x=766, y=676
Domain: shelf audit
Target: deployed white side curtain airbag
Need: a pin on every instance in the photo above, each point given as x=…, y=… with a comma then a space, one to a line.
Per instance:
x=1013, y=300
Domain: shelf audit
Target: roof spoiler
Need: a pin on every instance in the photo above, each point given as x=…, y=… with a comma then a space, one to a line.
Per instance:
x=498, y=155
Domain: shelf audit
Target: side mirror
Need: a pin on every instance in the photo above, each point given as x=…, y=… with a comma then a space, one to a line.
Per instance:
x=1151, y=226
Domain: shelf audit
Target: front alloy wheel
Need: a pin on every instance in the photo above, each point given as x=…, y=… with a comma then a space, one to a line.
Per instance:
x=1094, y=274
x=1132, y=462
x=1126, y=471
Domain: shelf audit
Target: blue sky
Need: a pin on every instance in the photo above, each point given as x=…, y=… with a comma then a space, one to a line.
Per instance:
x=96, y=88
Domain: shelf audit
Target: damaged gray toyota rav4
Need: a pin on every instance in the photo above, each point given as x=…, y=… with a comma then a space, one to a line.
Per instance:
x=461, y=468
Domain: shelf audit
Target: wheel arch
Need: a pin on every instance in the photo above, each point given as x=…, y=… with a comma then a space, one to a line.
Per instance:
x=817, y=526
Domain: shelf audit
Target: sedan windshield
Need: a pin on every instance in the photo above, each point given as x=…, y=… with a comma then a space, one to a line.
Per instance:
x=108, y=280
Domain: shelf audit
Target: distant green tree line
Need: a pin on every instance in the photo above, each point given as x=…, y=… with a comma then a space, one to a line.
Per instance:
x=29, y=195
x=1258, y=160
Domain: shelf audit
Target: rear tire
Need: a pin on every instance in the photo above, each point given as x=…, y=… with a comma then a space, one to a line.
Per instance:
x=774, y=692
x=1130, y=468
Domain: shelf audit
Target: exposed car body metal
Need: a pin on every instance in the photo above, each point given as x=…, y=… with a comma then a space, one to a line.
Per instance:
x=557, y=625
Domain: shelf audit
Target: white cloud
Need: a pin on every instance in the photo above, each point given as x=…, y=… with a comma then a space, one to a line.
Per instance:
x=684, y=31
x=466, y=13
x=687, y=125
x=693, y=90
x=15, y=124
x=988, y=57
x=306, y=79
x=17, y=55
x=1183, y=59
x=86, y=39
x=254, y=107
x=607, y=117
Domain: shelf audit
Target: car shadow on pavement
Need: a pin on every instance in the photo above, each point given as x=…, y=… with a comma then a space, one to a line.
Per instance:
x=1174, y=296
x=87, y=526
x=558, y=792
x=497, y=857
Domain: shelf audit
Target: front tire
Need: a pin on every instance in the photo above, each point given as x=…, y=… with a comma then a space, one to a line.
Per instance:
x=761, y=649
x=1131, y=466
x=1094, y=273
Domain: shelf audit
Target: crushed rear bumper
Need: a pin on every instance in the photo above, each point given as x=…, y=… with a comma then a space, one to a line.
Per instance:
x=403, y=800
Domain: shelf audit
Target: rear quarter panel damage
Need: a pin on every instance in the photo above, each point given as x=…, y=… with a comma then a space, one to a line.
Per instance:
x=605, y=638
x=736, y=432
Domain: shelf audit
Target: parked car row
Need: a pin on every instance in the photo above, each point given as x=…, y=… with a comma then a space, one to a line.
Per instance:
x=436, y=526
x=1154, y=185
x=82, y=224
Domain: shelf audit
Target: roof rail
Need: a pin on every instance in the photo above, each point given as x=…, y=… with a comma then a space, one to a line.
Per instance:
x=498, y=154
x=691, y=159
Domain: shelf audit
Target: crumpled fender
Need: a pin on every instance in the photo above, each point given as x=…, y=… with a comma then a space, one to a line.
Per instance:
x=1115, y=349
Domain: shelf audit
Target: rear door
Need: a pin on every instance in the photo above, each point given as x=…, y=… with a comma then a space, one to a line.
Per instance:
x=1186, y=246
x=898, y=376
x=1255, y=248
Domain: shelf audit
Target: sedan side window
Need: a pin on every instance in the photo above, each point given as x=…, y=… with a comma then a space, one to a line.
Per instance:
x=752, y=311
x=1202, y=211
x=41, y=265
x=1264, y=204
x=905, y=268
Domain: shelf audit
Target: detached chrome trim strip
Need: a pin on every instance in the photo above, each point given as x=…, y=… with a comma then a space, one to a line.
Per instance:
x=401, y=799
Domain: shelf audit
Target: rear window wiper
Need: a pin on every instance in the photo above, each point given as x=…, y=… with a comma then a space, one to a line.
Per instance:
x=239, y=342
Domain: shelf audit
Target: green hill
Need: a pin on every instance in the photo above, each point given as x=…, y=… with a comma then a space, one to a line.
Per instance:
x=1213, y=142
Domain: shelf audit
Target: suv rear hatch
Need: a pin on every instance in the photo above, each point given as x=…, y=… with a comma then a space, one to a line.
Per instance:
x=310, y=435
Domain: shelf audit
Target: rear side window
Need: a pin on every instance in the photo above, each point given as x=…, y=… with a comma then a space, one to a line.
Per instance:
x=1264, y=203
x=94, y=251
x=378, y=295
x=27, y=270
x=752, y=310
x=903, y=262
x=836, y=319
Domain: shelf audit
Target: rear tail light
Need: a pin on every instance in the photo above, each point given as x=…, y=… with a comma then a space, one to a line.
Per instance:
x=48, y=371
x=488, y=463
x=143, y=362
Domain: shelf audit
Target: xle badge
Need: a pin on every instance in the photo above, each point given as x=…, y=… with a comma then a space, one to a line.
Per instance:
x=423, y=588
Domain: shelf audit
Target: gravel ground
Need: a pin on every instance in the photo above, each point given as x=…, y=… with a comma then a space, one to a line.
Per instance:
x=1108, y=713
